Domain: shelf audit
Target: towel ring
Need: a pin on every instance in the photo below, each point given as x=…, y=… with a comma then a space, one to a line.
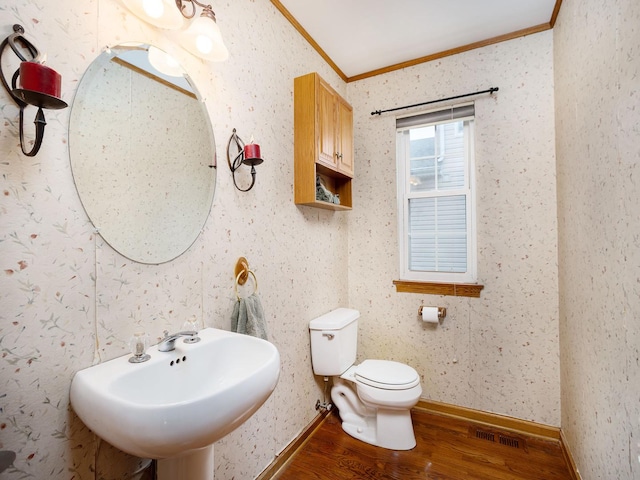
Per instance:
x=246, y=272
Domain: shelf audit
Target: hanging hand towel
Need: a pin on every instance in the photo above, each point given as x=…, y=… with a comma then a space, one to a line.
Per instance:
x=248, y=317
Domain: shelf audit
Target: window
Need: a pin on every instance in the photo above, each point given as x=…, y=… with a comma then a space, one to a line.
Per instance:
x=435, y=196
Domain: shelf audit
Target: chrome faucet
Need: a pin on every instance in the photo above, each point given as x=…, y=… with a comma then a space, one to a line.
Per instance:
x=168, y=343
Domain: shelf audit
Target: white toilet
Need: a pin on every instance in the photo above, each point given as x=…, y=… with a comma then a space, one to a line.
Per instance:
x=374, y=398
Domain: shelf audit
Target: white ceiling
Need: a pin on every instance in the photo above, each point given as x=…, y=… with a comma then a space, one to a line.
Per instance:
x=361, y=36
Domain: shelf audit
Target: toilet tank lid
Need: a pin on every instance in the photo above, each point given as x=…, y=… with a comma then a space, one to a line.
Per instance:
x=334, y=320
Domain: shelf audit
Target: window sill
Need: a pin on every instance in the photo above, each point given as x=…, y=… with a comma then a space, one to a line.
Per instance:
x=452, y=289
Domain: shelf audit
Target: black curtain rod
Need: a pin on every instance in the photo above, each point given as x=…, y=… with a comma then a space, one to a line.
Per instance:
x=490, y=91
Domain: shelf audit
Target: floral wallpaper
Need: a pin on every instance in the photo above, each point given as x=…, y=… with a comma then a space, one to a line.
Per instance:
x=598, y=145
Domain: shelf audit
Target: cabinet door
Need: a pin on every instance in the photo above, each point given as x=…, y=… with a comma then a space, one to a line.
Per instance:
x=344, y=138
x=327, y=124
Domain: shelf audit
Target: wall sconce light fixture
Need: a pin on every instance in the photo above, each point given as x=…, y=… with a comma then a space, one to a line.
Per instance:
x=201, y=38
x=242, y=154
x=39, y=85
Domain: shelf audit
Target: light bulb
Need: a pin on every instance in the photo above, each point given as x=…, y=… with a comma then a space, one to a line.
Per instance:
x=153, y=8
x=204, y=44
x=161, y=13
x=203, y=39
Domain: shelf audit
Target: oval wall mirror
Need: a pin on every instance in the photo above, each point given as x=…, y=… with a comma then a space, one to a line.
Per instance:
x=142, y=153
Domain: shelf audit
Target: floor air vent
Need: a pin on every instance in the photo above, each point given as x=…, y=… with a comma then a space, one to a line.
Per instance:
x=509, y=441
x=482, y=435
x=497, y=438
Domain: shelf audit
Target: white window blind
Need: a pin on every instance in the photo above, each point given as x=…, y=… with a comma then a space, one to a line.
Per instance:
x=448, y=114
x=435, y=196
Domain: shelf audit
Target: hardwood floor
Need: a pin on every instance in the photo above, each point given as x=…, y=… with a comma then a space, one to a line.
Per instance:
x=447, y=448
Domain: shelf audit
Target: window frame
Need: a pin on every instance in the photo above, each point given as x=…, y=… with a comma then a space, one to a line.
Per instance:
x=404, y=195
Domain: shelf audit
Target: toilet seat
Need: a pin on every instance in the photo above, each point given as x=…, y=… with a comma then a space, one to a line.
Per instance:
x=386, y=375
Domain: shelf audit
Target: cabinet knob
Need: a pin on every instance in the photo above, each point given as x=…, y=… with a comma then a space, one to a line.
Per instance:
x=339, y=155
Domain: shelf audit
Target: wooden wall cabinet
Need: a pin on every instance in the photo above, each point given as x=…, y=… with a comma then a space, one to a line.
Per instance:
x=323, y=142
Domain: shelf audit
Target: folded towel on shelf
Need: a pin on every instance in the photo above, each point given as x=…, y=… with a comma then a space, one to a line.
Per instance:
x=323, y=193
x=248, y=317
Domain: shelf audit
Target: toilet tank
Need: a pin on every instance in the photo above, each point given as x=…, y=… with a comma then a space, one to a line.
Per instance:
x=334, y=341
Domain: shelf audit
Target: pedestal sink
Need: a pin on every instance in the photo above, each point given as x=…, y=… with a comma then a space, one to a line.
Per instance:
x=174, y=406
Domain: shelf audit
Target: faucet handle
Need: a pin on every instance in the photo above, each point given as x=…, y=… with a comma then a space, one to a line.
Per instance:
x=139, y=343
x=190, y=325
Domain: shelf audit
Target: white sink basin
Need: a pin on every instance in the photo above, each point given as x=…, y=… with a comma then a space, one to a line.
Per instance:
x=177, y=401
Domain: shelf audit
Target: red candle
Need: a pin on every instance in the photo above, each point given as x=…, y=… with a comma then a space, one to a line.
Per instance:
x=251, y=151
x=40, y=78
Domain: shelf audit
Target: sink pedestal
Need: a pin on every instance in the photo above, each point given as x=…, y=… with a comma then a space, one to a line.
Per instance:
x=191, y=465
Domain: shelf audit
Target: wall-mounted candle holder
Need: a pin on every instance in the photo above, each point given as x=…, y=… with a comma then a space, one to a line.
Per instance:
x=243, y=154
x=39, y=85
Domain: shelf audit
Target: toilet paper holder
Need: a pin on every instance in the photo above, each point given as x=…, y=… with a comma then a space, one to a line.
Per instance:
x=442, y=312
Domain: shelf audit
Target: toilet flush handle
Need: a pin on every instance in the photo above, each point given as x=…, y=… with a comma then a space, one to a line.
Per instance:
x=328, y=335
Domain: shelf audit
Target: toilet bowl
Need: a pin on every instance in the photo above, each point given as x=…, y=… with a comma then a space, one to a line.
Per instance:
x=373, y=398
x=377, y=412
